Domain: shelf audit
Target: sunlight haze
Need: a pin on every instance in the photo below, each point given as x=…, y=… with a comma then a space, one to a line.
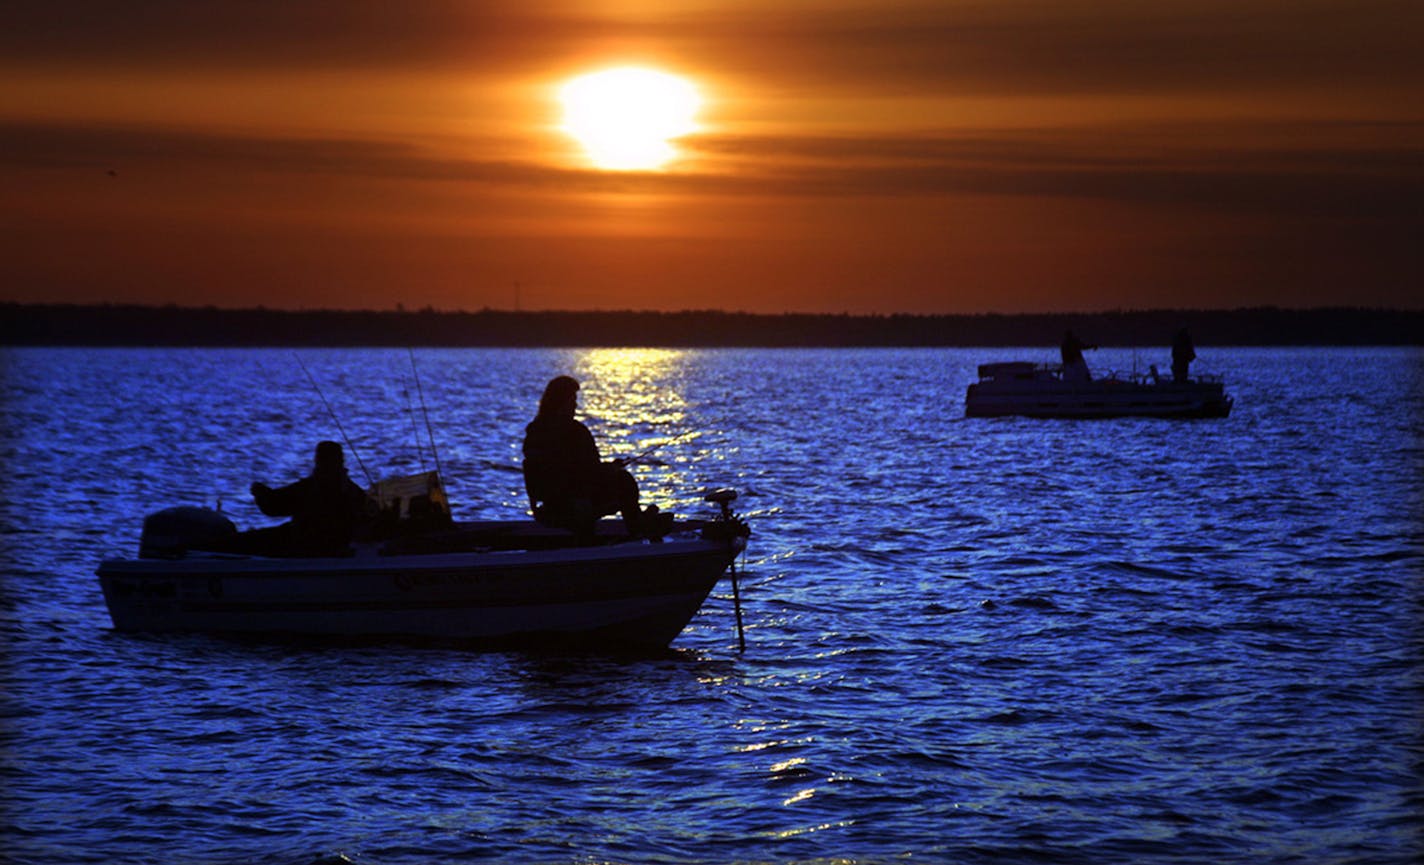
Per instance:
x=906, y=156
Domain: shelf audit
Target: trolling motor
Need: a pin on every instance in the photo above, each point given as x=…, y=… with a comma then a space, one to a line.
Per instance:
x=727, y=525
x=733, y=530
x=724, y=497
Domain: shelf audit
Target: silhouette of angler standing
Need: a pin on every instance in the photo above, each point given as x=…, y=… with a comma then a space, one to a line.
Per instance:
x=568, y=483
x=327, y=509
x=1183, y=353
x=1074, y=367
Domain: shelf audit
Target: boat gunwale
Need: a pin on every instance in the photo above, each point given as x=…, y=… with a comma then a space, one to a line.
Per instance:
x=368, y=559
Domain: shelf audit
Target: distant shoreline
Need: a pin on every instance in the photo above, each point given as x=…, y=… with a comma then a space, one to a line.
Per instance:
x=178, y=326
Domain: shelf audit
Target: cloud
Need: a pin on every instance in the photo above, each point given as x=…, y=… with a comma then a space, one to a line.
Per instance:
x=962, y=47
x=1168, y=167
x=1108, y=46
x=133, y=150
x=1159, y=168
x=291, y=34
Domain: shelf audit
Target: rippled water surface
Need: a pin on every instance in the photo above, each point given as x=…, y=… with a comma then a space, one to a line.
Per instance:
x=968, y=640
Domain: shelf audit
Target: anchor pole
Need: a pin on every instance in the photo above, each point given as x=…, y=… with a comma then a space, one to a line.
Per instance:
x=724, y=499
x=737, y=604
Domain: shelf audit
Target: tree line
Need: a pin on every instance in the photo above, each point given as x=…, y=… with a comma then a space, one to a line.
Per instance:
x=136, y=325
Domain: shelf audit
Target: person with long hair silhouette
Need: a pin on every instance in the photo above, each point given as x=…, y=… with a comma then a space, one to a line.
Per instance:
x=569, y=485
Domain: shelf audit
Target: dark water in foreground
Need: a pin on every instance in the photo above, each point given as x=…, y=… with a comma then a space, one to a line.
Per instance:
x=969, y=640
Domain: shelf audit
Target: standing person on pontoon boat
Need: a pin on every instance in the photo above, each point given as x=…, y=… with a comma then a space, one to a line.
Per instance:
x=1183, y=353
x=569, y=484
x=1074, y=367
x=327, y=509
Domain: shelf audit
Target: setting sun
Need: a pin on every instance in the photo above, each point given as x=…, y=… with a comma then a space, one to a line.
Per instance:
x=627, y=118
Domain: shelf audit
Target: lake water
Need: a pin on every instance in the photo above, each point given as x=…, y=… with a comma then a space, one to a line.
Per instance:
x=967, y=640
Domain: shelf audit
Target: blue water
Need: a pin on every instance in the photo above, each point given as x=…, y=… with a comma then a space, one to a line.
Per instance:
x=968, y=640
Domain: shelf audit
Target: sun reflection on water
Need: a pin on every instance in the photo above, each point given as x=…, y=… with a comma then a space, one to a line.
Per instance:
x=801, y=796
x=633, y=390
x=634, y=401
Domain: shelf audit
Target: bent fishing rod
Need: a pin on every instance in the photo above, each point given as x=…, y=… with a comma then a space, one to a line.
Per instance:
x=335, y=419
x=644, y=454
x=429, y=431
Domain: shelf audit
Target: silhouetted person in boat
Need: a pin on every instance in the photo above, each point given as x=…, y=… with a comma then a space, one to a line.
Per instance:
x=327, y=509
x=569, y=484
x=1183, y=353
x=1074, y=367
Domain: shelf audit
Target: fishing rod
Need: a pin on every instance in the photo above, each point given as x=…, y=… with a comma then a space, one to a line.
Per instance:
x=414, y=427
x=642, y=455
x=334, y=419
x=435, y=455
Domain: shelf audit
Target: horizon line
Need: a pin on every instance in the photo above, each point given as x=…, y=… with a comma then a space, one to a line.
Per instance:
x=429, y=309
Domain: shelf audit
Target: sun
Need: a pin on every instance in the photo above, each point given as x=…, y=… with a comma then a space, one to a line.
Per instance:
x=627, y=118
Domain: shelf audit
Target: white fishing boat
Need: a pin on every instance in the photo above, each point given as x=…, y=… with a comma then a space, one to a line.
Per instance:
x=1040, y=390
x=485, y=582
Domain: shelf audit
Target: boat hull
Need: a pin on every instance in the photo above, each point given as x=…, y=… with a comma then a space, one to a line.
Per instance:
x=612, y=596
x=1110, y=398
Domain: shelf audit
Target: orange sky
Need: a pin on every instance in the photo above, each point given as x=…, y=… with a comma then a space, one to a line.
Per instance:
x=853, y=155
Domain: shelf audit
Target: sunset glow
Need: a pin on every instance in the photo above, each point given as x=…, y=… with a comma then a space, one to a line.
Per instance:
x=627, y=118
x=861, y=156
